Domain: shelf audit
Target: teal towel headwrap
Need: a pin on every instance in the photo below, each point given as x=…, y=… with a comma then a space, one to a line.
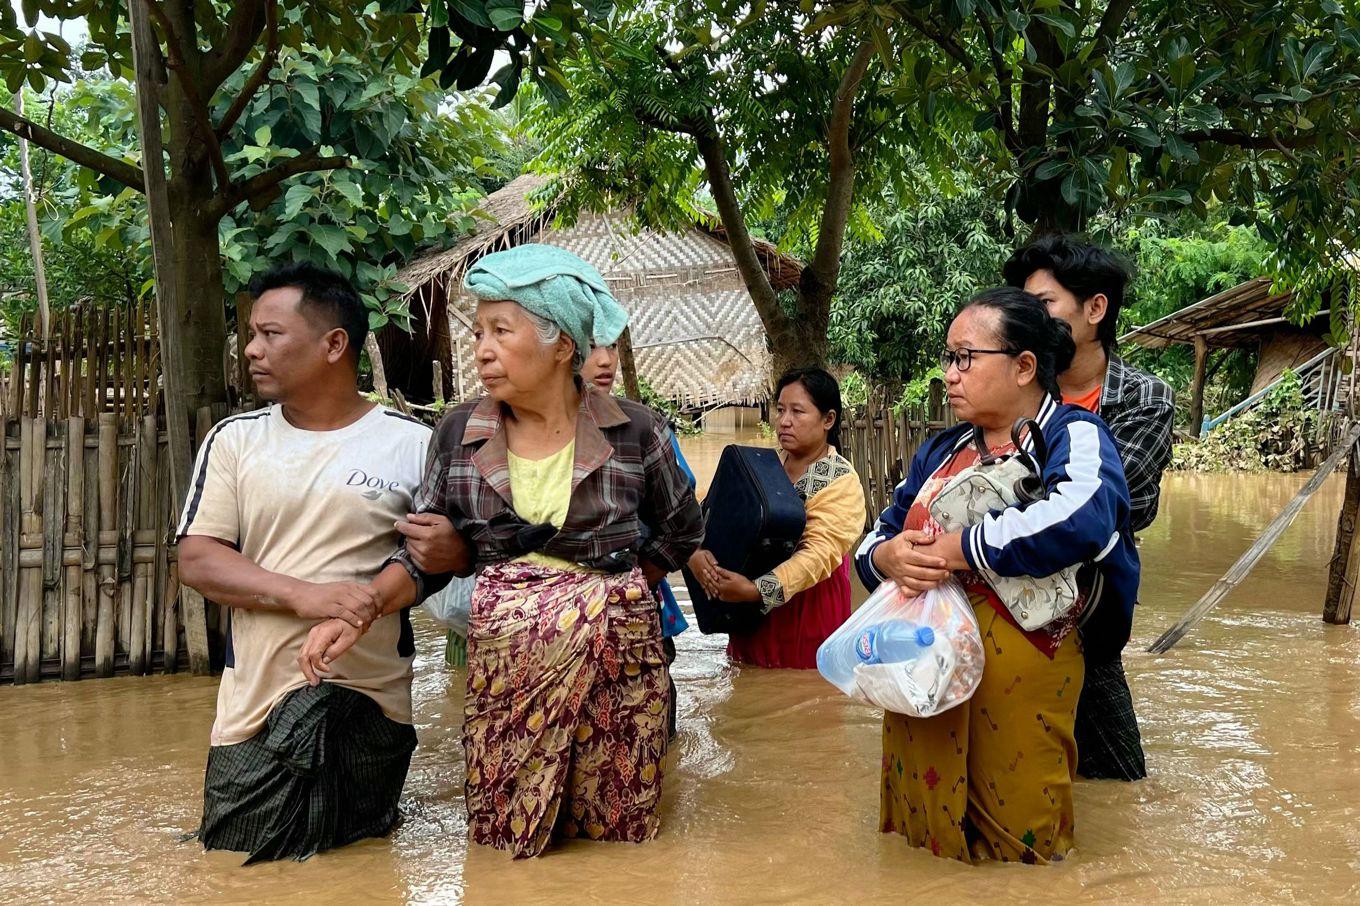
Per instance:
x=555, y=285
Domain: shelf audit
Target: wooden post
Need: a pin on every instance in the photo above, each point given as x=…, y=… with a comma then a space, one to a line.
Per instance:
x=9, y=545
x=1344, y=572
x=28, y=623
x=458, y=365
x=105, y=628
x=54, y=525
x=1197, y=386
x=169, y=307
x=74, y=540
x=376, y=362
x=438, y=381
x=628, y=366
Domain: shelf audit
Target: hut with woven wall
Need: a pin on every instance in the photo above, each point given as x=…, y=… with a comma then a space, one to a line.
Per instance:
x=697, y=338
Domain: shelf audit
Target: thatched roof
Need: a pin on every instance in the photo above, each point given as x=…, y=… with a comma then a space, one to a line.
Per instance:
x=697, y=336
x=1236, y=317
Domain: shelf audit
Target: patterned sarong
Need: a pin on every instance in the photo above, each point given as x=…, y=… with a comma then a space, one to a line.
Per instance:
x=565, y=716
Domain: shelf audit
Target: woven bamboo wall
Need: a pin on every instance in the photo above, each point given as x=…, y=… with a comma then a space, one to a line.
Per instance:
x=696, y=335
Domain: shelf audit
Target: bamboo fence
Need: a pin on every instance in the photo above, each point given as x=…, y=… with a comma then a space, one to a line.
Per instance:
x=88, y=583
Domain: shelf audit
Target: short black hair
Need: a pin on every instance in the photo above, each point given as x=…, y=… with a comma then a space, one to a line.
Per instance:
x=825, y=393
x=331, y=296
x=1083, y=269
x=1026, y=326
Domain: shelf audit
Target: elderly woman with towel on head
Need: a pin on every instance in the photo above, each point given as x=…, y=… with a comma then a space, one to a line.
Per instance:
x=548, y=479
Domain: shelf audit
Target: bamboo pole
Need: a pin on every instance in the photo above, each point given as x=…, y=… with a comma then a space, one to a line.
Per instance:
x=72, y=613
x=54, y=524
x=166, y=574
x=28, y=624
x=9, y=545
x=89, y=567
x=106, y=625
x=127, y=509
x=143, y=491
x=1247, y=561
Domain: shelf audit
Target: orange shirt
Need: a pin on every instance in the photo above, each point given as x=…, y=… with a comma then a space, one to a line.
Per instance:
x=1090, y=401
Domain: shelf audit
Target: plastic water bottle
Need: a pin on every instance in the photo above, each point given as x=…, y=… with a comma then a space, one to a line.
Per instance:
x=889, y=642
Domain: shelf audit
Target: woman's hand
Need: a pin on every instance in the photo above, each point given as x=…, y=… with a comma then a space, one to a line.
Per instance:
x=327, y=641
x=949, y=548
x=906, y=559
x=733, y=588
x=721, y=584
x=435, y=546
x=705, y=568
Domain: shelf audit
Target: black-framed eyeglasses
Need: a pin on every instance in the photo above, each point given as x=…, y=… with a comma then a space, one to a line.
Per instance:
x=963, y=356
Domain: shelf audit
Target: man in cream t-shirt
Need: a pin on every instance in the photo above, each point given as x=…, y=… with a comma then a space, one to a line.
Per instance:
x=291, y=515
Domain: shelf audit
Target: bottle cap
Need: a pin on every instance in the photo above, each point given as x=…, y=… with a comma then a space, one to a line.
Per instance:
x=925, y=636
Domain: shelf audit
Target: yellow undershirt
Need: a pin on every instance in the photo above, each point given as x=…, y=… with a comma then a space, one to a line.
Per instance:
x=541, y=490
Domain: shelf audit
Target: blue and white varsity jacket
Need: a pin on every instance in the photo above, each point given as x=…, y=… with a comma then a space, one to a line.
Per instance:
x=1084, y=520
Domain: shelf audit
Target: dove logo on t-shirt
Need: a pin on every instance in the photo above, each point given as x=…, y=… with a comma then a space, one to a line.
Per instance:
x=374, y=486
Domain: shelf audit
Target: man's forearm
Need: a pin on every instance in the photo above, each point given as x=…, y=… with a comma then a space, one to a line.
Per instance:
x=226, y=576
x=396, y=588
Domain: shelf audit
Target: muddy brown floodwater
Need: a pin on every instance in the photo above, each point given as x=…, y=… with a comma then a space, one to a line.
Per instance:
x=1252, y=727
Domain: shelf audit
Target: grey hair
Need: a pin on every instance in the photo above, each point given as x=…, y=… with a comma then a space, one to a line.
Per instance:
x=549, y=333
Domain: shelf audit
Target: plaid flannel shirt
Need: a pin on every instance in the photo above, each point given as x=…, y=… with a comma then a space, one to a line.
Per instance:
x=1139, y=409
x=624, y=474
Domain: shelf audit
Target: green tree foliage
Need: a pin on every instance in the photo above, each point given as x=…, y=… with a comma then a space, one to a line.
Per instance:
x=327, y=145
x=211, y=64
x=899, y=290
x=773, y=115
x=1147, y=105
x=1277, y=435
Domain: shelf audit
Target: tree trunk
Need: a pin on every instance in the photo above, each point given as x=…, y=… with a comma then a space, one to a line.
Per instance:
x=1344, y=571
x=801, y=344
x=200, y=314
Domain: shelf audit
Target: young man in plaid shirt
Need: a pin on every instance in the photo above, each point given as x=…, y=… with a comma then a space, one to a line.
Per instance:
x=1084, y=285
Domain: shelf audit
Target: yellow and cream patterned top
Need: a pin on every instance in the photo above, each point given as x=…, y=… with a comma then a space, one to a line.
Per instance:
x=541, y=490
x=835, y=520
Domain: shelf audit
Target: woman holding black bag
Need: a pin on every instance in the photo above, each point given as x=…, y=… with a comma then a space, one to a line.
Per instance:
x=808, y=595
x=992, y=778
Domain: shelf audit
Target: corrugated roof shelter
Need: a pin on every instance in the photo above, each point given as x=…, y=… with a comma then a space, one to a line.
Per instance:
x=696, y=336
x=1249, y=315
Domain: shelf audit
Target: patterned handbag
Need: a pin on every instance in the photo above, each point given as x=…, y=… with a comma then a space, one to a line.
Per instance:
x=997, y=483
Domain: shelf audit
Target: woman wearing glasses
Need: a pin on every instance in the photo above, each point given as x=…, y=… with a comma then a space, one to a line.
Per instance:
x=992, y=778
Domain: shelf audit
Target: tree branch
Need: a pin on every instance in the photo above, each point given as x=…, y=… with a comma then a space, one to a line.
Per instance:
x=175, y=61
x=122, y=171
x=1240, y=139
x=1005, y=101
x=942, y=39
x=260, y=73
x=241, y=32
x=1107, y=33
x=753, y=274
x=261, y=184
x=818, y=281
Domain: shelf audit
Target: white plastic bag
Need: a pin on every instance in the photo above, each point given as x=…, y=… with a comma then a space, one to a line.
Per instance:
x=452, y=605
x=946, y=675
